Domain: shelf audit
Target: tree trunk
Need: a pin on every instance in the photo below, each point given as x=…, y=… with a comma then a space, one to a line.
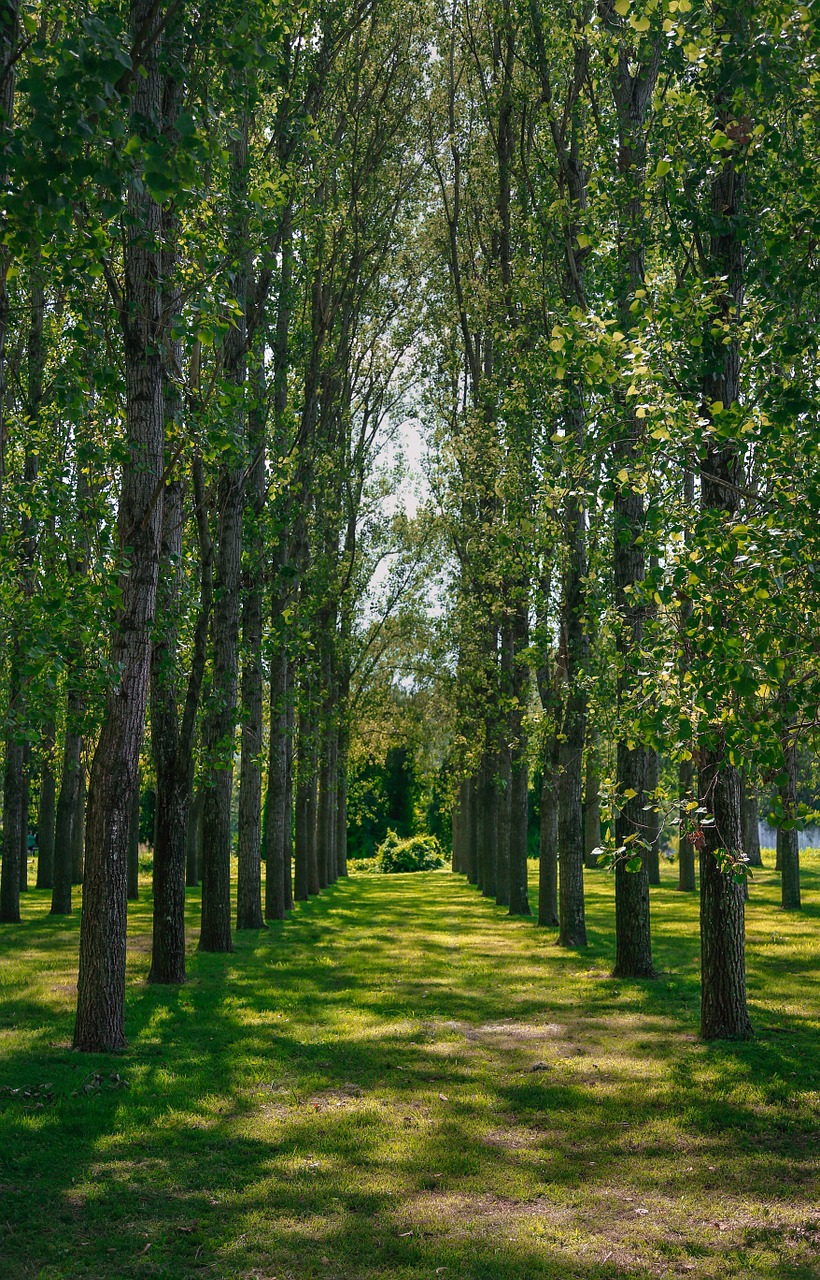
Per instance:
x=134, y=847
x=652, y=818
x=471, y=831
x=592, y=805
x=67, y=807
x=249, y=872
x=277, y=816
x=287, y=833
x=723, y=966
x=101, y=981
x=519, y=789
x=24, y=804
x=751, y=826
x=504, y=766
x=47, y=812
x=788, y=841
x=194, y=838
x=303, y=873
x=548, y=840
x=78, y=829
x=687, y=882
x=490, y=827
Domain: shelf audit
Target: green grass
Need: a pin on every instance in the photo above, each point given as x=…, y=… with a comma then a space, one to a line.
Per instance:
x=403, y=1082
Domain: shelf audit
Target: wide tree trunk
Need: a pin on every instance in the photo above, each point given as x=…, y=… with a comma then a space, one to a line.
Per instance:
x=101, y=981
x=723, y=965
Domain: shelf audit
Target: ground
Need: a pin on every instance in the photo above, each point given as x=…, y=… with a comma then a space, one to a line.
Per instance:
x=403, y=1082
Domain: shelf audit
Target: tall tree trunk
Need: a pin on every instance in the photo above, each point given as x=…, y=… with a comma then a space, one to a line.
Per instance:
x=249, y=872
x=101, y=981
x=723, y=989
x=633, y=84
x=277, y=816
x=24, y=804
x=519, y=784
x=504, y=767
x=574, y=648
x=470, y=831
x=287, y=832
x=47, y=811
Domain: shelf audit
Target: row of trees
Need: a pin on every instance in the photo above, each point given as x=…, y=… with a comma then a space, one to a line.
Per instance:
x=236, y=246
x=209, y=239
x=622, y=369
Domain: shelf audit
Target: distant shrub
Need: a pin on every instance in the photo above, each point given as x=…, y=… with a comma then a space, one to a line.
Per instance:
x=416, y=853
x=362, y=866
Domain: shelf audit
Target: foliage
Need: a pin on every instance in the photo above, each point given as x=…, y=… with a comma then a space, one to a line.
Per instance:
x=416, y=853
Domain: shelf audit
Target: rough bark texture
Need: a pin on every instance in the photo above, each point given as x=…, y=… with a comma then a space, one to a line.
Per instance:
x=277, y=815
x=633, y=84
x=101, y=981
x=723, y=965
x=723, y=989
x=249, y=873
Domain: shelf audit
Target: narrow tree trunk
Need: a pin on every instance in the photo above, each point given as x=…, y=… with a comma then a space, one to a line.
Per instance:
x=24, y=803
x=78, y=829
x=303, y=874
x=67, y=809
x=287, y=833
x=249, y=872
x=134, y=847
x=505, y=799
x=548, y=840
x=687, y=882
x=519, y=775
x=101, y=981
x=194, y=839
x=652, y=818
x=592, y=805
x=788, y=840
x=751, y=826
x=490, y=832
x=277, y=816
x=470, y=830
x=47, y=811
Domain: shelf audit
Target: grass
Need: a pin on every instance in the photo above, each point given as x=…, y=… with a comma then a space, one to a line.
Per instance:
x=402, y=1082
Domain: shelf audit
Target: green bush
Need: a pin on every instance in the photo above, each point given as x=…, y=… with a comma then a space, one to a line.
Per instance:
x=416, y=853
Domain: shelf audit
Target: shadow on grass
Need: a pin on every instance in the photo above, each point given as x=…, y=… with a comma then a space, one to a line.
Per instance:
x=399, y=1080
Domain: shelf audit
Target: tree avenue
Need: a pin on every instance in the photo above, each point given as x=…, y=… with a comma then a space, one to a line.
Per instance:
x=426, y=387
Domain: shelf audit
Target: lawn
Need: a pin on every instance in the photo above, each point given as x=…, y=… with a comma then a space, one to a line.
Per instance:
x=402, y=1082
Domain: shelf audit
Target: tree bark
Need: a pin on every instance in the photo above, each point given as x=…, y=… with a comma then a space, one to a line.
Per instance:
x=249, y=871
x=723, y=964
x=751, y=826
x=277, y=815
x=133, y=872
x=46, y=816
x=101, y=981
